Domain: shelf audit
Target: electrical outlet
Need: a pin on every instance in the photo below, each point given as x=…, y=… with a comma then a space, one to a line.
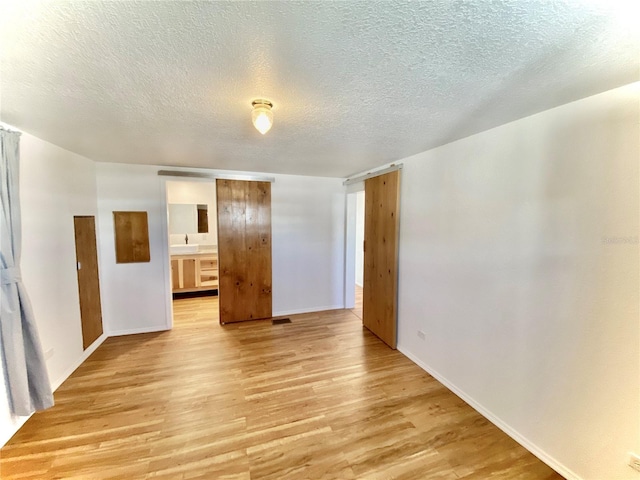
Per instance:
x=421, y=335
x=634, y=461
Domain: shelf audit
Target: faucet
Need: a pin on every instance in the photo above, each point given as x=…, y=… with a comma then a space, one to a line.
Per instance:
x=186, y=239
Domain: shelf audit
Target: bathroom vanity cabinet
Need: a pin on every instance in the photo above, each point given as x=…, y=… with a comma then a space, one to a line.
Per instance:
x=194, y=272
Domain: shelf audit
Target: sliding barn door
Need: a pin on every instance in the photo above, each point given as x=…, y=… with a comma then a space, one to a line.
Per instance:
x=381, y=223
x=244, y=250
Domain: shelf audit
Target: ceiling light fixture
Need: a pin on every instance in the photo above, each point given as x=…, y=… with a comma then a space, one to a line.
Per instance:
x=262, y=116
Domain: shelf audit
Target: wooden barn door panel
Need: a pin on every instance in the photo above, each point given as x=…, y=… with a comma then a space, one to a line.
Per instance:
x=381, y=223
x=244, y=250
x=88, y=282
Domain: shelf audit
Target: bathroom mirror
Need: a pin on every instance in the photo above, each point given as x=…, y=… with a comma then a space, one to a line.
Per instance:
x=185, y=218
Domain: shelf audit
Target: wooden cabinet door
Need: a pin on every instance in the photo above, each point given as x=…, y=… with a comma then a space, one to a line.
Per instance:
x=189, y=273
x=175, y=274
x=381, y=222
x=244, y=250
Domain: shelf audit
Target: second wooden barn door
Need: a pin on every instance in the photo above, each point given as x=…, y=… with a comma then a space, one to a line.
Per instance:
x=381, y=222
x=244, y=250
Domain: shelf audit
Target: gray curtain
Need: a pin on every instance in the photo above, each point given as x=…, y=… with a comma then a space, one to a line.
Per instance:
x=26, y=376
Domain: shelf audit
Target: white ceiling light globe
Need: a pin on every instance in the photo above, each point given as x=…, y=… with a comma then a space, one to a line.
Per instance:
x=262, y=116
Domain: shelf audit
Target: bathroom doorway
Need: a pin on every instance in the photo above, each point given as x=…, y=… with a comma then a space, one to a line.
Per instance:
x=193, y=251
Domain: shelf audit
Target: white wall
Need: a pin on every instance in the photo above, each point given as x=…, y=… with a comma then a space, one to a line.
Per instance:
x=194, y=193
x=308, y=222
x=519, y=260
x=307, y=246
x=359, y=238
x=134, y=295
x=55, y=186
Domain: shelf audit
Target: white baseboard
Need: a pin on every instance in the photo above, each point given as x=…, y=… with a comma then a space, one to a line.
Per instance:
x=531, y=447
x=67, y=373
x=134, y=331
x=20, y=421
x=360, y=285
x=307, y=310
x=5, y=436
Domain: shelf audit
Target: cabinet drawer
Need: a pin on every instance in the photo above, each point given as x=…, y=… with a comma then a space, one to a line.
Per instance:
x=209, y=264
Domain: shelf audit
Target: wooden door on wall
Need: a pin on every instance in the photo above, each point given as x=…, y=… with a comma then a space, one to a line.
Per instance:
x=244, y=250
x=381, y=223
x=88, y=282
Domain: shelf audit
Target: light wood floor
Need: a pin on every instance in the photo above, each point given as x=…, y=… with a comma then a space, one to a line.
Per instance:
x=320, y=398
x=357, y=307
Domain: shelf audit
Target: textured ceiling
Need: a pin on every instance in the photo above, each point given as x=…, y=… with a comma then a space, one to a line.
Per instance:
x=354, y=84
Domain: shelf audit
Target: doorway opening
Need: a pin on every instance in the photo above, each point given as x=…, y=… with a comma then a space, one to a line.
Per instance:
x=354, y=258
x=193, y=251
x=374, y=252
x=359, y=254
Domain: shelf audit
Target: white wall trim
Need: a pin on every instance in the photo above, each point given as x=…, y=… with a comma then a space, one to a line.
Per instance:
x=134, y=331
x=72, y=368
x=6, y=436
x=371, y=174
x=20, y=421
x=531, y=447
x=215, y=176
x=307, y=310
x=349, y=250
x=361, y=286
x=166, y=262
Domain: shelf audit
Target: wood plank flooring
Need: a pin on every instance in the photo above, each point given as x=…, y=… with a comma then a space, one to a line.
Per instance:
x=357, y=306
x=320, y=398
